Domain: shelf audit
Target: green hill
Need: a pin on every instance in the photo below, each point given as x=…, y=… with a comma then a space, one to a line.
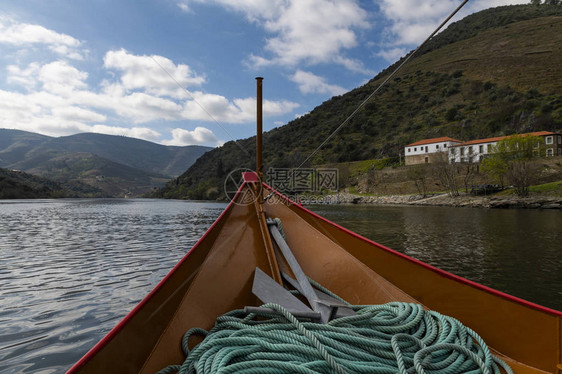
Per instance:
x=18, y=147
x=496, y=72
x=115, y=179
x=20, y=185
x=117, y=165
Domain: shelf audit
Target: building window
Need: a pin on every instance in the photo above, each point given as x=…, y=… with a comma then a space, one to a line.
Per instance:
x=415, y=149
x=409, y=150
x=462, y=151
x=489, y=148
x=549, y=140
x=426, y=160
x=481, y=148
x=470, y=150
x=426, y=148
x=549, y=152
x=445, y=145
x=437, y=146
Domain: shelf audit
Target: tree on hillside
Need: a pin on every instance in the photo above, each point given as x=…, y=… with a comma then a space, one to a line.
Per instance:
x=419, y=174
x=446, y=172
x=516, y=158
x=496, y=168
x=469, y=171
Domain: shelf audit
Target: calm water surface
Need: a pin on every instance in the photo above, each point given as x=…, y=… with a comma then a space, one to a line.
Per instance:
x=71, y=269
x=518, y=251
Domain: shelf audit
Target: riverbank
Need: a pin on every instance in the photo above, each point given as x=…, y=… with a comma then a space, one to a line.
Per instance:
x=464, y=200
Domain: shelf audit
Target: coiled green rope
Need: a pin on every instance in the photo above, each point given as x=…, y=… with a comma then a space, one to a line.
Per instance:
x=390, y=338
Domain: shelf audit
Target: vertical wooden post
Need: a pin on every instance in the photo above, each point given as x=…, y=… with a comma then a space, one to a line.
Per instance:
x=259, y=122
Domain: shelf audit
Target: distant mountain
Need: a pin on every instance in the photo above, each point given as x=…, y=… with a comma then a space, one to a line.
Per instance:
x=20, y=185
x=116, y=164
x=14, y=145
x=496, y=72
x=18, y=146
x=111, y=177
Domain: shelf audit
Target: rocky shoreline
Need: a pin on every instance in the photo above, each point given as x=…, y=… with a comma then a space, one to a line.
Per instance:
x=466, y=200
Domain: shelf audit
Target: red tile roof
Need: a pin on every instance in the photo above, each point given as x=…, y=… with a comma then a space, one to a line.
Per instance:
x=435, y=140
x=498, y=138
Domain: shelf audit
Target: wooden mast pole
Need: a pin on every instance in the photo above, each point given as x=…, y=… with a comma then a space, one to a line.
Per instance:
x=259, y=122
x=259, y=201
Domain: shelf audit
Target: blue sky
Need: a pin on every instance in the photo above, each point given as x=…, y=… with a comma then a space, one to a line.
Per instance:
x=181, y=72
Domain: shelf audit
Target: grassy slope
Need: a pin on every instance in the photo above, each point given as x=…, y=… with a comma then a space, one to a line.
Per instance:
x=524, y=55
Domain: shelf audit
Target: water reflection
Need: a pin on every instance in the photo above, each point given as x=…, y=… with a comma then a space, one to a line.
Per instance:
x=515, y=251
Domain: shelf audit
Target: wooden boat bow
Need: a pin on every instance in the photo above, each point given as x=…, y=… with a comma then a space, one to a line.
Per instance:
x=217, y=274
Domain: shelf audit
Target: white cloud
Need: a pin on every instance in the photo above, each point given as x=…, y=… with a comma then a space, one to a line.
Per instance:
x=49, y=114
x=157, y=75
x=303, y=31
x=56, y=98
x=393, y=54
x=412, y=21
x=61, y=78
x=311, y=83
x=237, y=111
x=23, y=35
x=59, y=101
x=27, y=77
x=134, y=132
x=199, y=136
x=255, y=10
x=270, y=108
x=77, y=114
x=183, y=6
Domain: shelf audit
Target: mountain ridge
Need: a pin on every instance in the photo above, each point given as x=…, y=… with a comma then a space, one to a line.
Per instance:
x=136, y=165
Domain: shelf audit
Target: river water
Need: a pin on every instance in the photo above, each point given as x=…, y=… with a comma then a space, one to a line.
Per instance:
x=71, y=269
x=517, y=251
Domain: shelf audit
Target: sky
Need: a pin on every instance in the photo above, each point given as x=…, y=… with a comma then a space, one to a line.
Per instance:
x=181, y=72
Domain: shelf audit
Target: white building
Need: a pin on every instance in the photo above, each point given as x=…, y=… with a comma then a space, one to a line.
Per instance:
x=425, y=150
x=477, y=150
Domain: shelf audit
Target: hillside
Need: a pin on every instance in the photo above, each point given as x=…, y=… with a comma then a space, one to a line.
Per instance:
x=115, y=164
x=20, y=185
x=497, y=72
x=115, y=179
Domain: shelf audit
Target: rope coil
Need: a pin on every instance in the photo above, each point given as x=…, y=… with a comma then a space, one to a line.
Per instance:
x=390, y=338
